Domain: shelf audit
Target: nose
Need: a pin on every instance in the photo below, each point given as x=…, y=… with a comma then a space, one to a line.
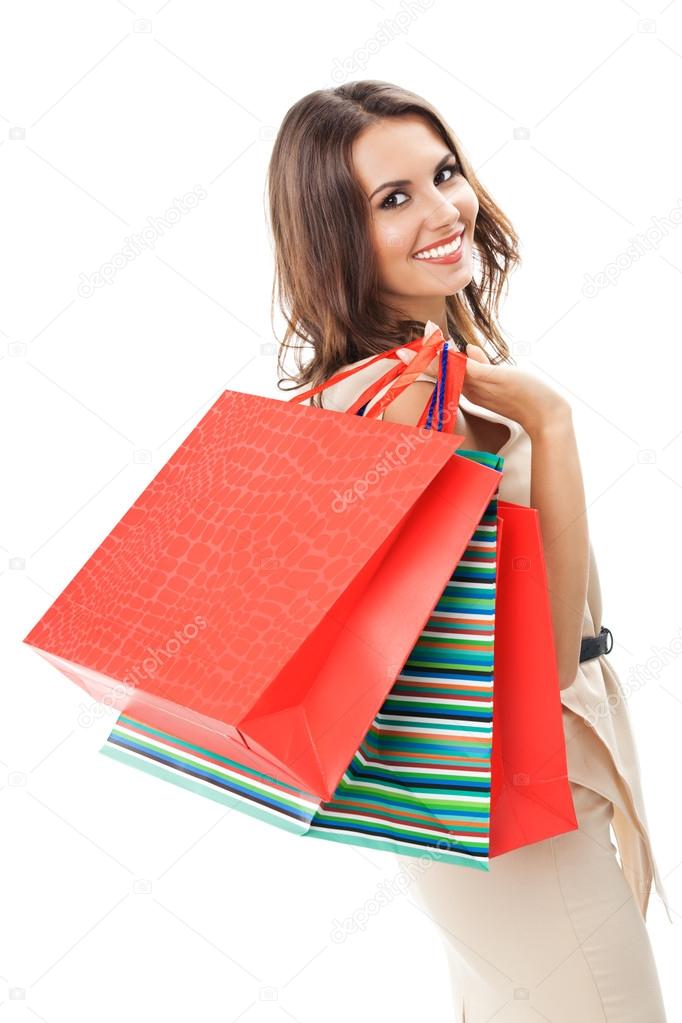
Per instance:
x=444, y=217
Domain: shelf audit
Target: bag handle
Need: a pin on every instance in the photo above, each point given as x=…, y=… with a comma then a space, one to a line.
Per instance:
x=436, y=399
x=451, y=372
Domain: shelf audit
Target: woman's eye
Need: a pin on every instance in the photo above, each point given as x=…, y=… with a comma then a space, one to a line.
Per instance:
x=451, y=167
x=385, y=204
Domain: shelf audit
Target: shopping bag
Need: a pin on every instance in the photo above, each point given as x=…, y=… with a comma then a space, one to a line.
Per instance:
x=255, y=600
x=531, y=796
x=444, y=769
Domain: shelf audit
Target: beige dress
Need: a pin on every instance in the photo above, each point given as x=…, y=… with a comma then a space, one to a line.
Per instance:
x=604, y=773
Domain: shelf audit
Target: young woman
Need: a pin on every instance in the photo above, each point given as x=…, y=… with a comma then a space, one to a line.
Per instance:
x=382, y=234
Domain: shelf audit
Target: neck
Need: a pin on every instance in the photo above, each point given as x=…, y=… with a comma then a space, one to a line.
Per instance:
x=426, y=308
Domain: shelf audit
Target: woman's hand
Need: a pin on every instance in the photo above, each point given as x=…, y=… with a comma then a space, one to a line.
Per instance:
x=511, y=392
x=556, y=490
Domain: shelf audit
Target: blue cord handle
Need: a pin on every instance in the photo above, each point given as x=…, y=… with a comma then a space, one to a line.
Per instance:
x=438, y=394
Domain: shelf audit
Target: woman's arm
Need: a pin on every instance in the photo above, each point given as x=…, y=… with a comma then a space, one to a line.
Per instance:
x=558, y=494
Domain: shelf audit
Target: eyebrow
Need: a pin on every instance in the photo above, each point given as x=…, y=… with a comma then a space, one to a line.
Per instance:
x=399, y=184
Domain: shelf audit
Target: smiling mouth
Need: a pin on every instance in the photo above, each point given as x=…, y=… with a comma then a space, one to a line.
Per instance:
x=449, y=252
x=446, y=248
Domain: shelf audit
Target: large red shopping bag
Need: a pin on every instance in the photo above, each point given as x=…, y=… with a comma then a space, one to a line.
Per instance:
x=260, y=596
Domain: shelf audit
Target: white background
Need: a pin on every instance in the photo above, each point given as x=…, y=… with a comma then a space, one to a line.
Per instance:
x=123, y=896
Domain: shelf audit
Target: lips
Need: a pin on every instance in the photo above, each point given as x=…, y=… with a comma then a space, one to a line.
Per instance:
x=441, y=241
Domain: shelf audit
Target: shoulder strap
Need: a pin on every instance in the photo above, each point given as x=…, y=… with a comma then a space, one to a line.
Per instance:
x=425, y=350
x=431, y=344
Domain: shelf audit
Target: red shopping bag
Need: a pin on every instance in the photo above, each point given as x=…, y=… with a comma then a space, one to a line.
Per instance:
x=530, y=797
x=260, y=596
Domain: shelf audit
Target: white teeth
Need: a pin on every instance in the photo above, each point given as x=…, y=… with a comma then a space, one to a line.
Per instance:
x=442, y=250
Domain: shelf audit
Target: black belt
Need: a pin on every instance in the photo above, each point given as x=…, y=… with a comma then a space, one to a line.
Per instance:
x=595, y=646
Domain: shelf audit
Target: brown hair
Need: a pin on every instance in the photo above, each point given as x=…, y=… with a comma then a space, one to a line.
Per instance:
x=326, y=279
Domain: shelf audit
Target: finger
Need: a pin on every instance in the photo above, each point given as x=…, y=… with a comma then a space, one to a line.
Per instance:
x=476, y=353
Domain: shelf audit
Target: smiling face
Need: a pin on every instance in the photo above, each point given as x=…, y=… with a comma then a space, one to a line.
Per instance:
x=420, y=202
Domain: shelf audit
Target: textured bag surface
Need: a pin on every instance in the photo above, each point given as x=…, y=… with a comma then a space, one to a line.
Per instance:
x=260, y=596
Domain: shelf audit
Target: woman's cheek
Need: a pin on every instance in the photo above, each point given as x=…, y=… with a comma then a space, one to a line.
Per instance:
x=388, y=239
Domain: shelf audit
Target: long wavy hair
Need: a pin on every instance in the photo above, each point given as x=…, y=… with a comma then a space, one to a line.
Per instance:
x=326, y=279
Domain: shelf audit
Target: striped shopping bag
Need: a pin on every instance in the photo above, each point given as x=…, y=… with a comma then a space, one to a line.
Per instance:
x=421, y=779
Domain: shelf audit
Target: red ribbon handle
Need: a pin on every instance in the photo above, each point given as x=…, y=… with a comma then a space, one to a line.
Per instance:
x=426, y=349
